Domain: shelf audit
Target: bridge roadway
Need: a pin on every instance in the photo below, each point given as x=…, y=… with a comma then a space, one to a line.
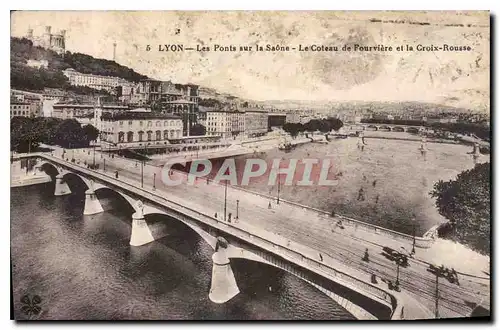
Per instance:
x=314, y=234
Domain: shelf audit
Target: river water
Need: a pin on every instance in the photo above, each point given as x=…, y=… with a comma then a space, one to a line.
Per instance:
x=394, y=177
x=83, y=267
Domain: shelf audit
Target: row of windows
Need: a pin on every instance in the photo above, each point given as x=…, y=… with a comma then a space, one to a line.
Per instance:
x=20, y=106
x=149, y=136
x=20, y=113
x=158, y=123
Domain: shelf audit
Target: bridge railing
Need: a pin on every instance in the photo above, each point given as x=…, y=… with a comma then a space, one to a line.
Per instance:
x=268, y=244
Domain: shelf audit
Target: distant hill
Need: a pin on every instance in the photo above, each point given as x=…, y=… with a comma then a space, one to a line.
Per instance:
x=28, y=78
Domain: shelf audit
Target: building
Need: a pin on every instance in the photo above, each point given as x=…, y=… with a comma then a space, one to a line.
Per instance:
x=73, y=110
x=38, y=64
x=225, y=123
x=276, y=119
x=256, y=122
x=20, y=109
x=21, y=98
x=141, y=128
x=55, y=42
x=107, y=83
x=170, y=98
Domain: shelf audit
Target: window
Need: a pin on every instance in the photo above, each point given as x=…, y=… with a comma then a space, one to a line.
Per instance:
x=165, y=123
x=158, y=123
x=121, y=123
x=130, y=122
x=141, y=123
x=158, y=135
x=141, y=133
x=150, y=135
x=150, y=123
x=130, y=137
x=121, y=136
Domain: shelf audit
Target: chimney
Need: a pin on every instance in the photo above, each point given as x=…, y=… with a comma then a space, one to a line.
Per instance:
x=63, y=33
x=30, y=34
x=47, y=29
x=114, y=51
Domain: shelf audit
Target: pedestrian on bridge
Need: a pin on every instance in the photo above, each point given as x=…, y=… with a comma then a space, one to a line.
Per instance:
x=269, y=206
x=116, y=174
x=215, y=216
x=366, y=257
x=229, y=217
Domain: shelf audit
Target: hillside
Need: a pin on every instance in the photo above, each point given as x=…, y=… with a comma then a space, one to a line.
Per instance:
x=28, y=78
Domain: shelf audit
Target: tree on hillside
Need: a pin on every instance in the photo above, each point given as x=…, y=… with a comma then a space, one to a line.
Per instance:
x=198, y=130
x=91, y=132
x=465, y=202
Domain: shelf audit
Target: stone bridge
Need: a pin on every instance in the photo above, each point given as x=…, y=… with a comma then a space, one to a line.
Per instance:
x=359, y=297
x=386, y=127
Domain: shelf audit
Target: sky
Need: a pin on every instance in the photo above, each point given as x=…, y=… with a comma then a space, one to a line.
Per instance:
x=452, y=78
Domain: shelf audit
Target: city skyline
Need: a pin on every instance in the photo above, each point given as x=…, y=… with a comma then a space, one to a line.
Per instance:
x=458, y=79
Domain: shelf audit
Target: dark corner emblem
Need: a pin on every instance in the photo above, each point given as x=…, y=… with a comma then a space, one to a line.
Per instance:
x=31, y=305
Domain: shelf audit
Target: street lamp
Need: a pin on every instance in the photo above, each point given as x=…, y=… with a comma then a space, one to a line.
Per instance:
x=413, y=247
x=397, y=274
x=93, y=167
x=142, y=174
x=237, y=207
x=104, y=167
x=154, y=181
x=279, y=184
x=225, y=200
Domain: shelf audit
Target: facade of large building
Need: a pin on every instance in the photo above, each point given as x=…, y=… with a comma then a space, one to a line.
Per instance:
x=107, y=83
x=70, y=110
x=25, y=104
x=225, y=123
x=176, y=99
x=256, y=122
x=48, y=40
x=19, y=109
x=143, y=128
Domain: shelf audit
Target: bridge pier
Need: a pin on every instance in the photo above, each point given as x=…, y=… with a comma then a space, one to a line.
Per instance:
x=140, y=231
x=92, y=204
x=61, y=187
x=224, y=286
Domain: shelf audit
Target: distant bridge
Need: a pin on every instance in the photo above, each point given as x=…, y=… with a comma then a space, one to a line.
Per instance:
x=386, y=127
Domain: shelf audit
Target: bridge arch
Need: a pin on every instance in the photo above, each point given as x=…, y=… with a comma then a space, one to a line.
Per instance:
x=372, y=127
x=56, y=170
x=398, y=129
x=211, y=240
x=132, y=202
x=358, y=308
x=81, y=178
x=64, y=173
x=385, y=128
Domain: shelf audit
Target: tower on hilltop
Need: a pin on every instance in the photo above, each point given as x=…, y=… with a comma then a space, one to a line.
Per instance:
x=48, y=40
